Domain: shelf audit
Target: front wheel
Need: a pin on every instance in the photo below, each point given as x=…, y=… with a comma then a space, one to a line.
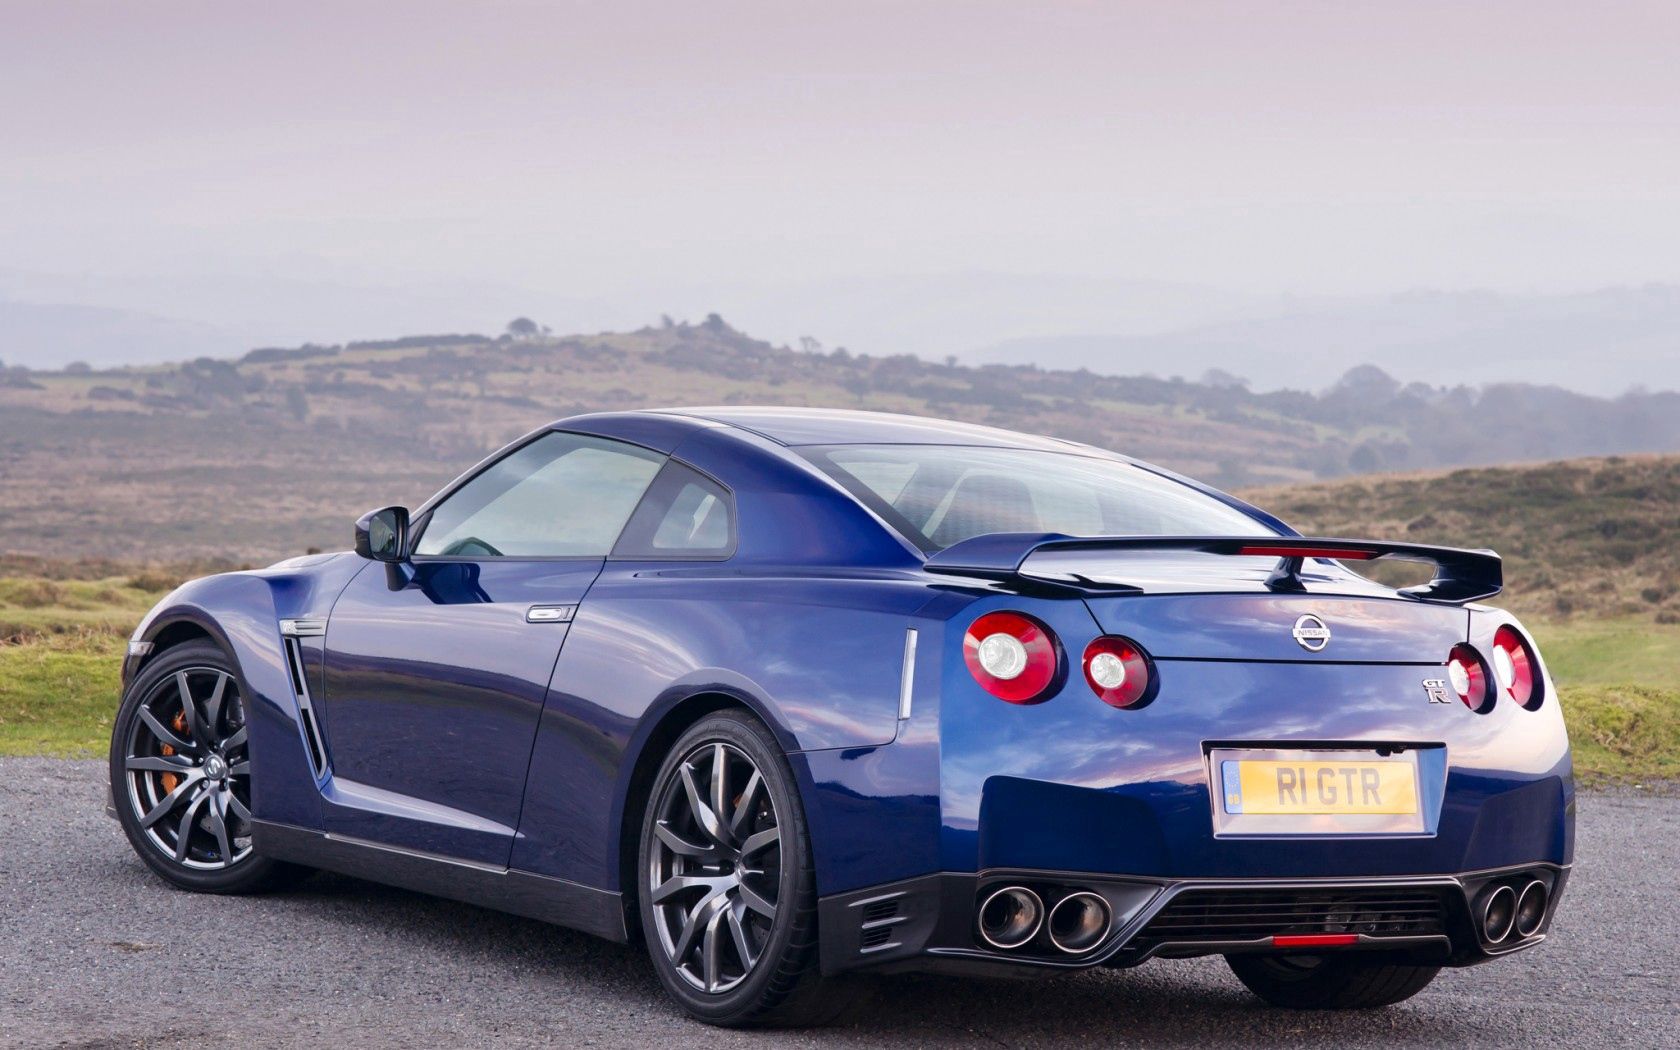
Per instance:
x=181, y=774
x=1330, y=982
x=727, y=889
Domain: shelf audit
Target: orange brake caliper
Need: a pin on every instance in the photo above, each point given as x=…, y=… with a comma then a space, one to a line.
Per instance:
x=180, y=726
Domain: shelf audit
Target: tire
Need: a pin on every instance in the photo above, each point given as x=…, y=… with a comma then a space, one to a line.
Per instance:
x=173, y=773
x=775, y=981
x=1330, y=982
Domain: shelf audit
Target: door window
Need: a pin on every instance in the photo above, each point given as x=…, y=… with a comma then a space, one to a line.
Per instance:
x=562, y=495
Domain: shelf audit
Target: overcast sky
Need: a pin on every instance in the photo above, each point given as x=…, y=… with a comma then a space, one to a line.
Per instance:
x=613, y=148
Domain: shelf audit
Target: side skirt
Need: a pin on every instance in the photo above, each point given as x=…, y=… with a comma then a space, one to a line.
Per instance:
x=598, y=912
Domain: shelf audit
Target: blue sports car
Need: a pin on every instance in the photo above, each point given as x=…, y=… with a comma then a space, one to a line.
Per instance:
x=790, y=695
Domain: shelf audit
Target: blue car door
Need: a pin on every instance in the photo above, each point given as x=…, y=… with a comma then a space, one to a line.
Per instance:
x=436, y=669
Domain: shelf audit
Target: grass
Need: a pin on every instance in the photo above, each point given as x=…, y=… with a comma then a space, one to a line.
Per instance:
x=1624, y=733
x=1619, y=680
x=58, y=694
x=1620, y=651
x=63, y=629
x=34, y=607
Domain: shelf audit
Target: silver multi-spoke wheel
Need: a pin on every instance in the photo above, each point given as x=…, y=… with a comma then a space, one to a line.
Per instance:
x=188, y=770
x=715, y=868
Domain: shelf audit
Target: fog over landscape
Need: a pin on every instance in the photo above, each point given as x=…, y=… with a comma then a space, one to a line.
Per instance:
x=1457, y=195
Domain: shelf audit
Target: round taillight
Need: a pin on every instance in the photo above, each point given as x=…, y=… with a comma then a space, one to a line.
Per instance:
x=1469, y=677
x=1119, y=673
x=1013, y=657
x=1514, y=667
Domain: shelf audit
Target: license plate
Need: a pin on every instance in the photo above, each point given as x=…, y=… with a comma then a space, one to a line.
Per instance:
x=1260, y=791
x=1304, y=786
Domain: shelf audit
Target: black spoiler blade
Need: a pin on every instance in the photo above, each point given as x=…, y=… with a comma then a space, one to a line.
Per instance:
x=1460, y=575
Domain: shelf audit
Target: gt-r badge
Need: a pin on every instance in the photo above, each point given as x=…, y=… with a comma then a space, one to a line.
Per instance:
x=1436, y=690
x=1311, y=633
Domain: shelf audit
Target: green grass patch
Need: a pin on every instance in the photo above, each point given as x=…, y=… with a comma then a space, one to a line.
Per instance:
x=1626, y=651
x=1625, y=733
x=58, y=694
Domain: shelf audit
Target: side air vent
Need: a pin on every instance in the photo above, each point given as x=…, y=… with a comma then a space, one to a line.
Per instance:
x=875, y=911
x=878, y=920
x=291, y=631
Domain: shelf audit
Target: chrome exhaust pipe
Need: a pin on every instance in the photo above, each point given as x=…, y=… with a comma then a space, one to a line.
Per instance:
x=1499, y=911
x=1531, y=908
x=1010, y=917
x=1079, y=922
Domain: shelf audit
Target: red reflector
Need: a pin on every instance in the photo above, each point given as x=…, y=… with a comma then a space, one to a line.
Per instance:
x=1314, y=940
x=1285, y=551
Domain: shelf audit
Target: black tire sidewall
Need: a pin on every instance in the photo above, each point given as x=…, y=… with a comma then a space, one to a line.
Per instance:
x=1340, y=981
x=241, y=876
x=755, y=995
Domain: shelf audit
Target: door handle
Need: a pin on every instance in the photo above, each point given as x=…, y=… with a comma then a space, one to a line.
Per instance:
x=550, y=613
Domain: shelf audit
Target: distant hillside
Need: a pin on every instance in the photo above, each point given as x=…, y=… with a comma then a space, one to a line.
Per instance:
x=276, y=451
x=1583, y=538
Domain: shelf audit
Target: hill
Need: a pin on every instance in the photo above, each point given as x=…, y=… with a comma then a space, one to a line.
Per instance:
x=275, y=452
x=1588, y=538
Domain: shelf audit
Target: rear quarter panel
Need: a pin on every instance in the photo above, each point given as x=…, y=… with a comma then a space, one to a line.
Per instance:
x=818, y=658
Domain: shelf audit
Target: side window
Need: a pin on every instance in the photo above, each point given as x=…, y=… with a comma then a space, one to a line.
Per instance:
x=562, y=495
x=685, y=515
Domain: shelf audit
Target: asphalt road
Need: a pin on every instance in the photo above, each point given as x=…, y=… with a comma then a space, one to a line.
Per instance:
x=96, y=952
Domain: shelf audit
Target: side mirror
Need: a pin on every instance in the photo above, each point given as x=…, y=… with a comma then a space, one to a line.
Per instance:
x=382, y=535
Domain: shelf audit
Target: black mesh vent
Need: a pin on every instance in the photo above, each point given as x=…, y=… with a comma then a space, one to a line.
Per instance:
x=1245, y=915
x=877, y=937
x=879, y=910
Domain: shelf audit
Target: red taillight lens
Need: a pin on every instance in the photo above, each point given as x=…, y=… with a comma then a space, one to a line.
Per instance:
x=1013, y=657
x=1514, y=667
x=1469, y=678
x=1118, y=672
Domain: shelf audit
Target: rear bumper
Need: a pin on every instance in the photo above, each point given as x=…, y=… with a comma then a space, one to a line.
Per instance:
x=932, y=923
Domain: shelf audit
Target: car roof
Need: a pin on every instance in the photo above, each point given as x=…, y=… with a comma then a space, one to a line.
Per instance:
x=838, y=426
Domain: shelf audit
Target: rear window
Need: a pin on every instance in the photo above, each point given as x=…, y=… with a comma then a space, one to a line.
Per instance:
x=938, y=495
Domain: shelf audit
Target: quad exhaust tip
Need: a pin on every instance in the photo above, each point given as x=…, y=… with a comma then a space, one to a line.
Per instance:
x=1499, y=912
x=1011, y=917
x=1531, y=908
x=1079, y=922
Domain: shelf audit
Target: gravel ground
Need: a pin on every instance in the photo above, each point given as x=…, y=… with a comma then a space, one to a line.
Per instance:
x=96, y=952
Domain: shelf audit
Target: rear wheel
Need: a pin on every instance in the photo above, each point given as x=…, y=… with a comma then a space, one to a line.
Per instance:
x=181, y=774
x=1330, y=982
x=727, y=889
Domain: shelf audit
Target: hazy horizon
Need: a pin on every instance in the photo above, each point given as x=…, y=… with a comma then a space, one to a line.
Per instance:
x=932, y=178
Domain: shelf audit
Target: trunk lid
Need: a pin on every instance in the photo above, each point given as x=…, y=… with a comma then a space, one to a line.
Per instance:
x=1332, y=628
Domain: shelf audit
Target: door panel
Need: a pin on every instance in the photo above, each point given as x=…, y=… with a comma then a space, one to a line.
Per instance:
x=436, y=668
x=435, y=679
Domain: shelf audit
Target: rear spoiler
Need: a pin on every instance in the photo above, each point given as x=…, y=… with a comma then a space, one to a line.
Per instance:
x=1460, y=575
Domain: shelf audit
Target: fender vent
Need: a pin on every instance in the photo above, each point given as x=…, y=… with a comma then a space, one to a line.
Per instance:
x=292, y=630
x=1246, y=915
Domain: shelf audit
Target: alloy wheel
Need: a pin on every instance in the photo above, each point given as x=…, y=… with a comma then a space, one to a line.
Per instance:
x=715, y=867
x=188, y=769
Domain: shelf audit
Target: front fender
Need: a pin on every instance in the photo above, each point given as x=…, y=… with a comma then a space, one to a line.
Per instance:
x=241, y=612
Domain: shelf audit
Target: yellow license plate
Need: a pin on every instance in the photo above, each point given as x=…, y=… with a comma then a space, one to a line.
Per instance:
x=1305, y=787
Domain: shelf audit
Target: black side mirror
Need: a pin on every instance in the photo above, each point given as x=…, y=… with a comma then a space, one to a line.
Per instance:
x=382, y=535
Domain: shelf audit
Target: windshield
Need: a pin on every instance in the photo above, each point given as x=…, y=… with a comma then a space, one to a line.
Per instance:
x=938, y=495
